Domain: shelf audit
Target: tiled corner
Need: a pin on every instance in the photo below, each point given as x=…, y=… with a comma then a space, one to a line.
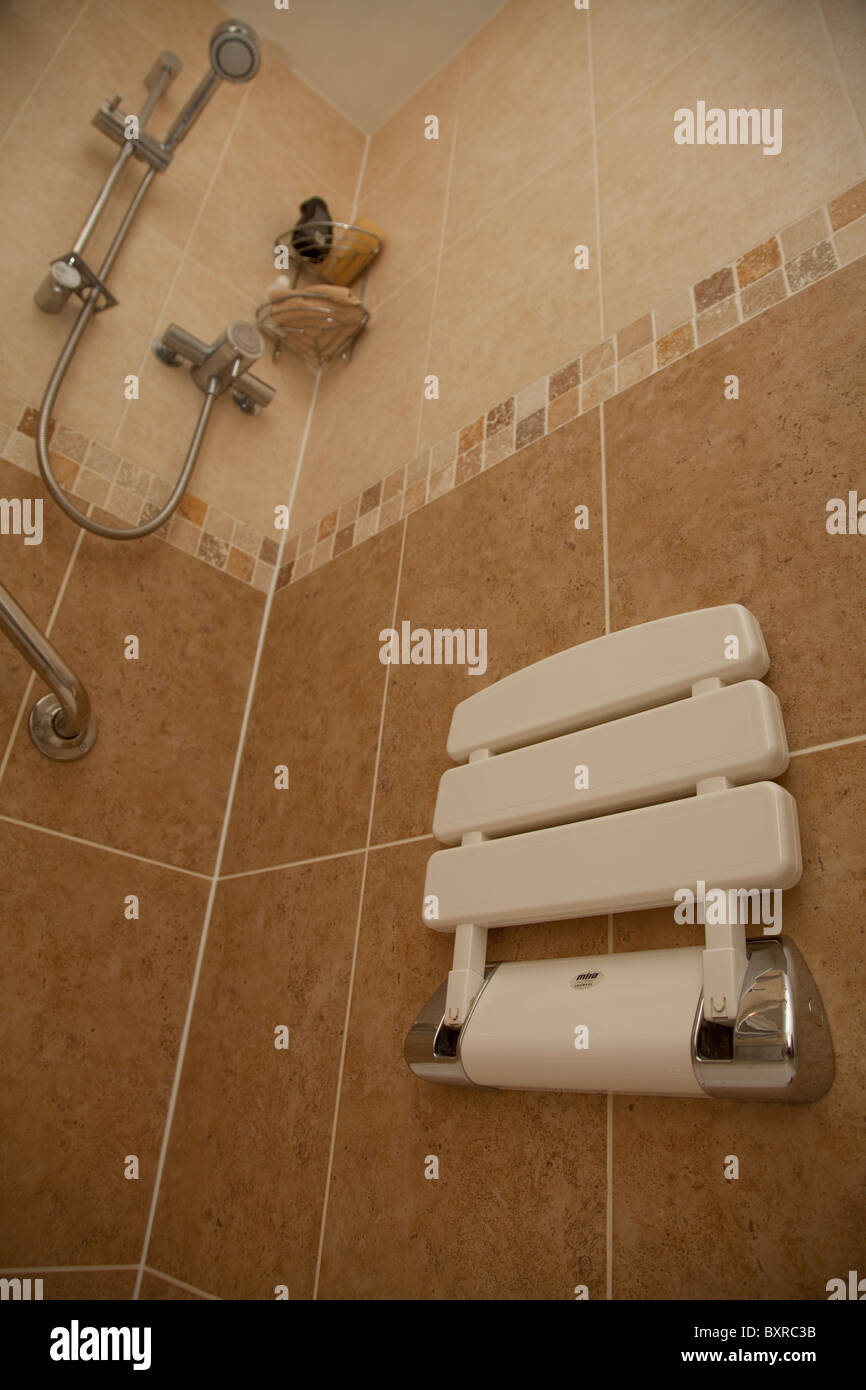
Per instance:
x=786, y=263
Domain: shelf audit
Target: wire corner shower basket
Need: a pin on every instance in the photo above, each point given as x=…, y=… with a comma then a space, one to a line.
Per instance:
x=308, y=319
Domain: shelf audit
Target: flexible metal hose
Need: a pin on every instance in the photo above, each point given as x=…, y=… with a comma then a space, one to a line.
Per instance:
x=46, y=410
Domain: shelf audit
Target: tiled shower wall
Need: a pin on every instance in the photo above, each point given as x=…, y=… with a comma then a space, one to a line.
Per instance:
x=96, y=986
x=199, y=253
x=556, y=130
x=305, y=1167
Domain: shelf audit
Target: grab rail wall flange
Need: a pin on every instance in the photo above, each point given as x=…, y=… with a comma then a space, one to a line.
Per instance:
x=62, y=723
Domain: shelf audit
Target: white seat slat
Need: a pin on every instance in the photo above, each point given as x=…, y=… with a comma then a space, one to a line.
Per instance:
x=637, y=668
x=743, y=837
x=657, y=755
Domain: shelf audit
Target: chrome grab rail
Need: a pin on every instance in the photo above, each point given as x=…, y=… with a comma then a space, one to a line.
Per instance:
x=62, y=724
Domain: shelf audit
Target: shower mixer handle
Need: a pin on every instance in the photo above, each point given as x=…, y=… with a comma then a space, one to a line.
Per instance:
x=227, y=359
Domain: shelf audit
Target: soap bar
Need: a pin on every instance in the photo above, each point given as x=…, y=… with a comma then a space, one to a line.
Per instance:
x=350, y=251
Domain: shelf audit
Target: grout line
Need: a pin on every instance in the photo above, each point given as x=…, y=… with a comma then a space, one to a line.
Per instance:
x=183, y=257
x=840, y=74
x=404, y=284
x=179, y=1283
x=706, y=40
x=345, y=1040
x=362, y=168
x=538, y=170
x=292, y=864
x=445, y=206
x=55, y=609
x=187, y=1025
x=107, y=849
x=321, y=858
x=44, y=73
x=410, y=840
x=822, y=747
x=65, y=1269
x=604, y=536
x=595, y=178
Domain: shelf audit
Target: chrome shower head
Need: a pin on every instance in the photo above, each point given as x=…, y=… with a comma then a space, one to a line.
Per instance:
x=234, y=57
x=234, y=51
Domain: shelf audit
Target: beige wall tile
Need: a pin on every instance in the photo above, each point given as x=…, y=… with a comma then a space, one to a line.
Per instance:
x=599, y=389
x=805, y=234
x=31, y=36
x=282, y=104
x=336, y=693
x=524, y=101
x=851, y=241
x=712, y=469
x=91, y=1039
x=500, y=319
x=402, y=137
x=223, y=1224
x=467, y=562
x=565, y=407
x=846, y=20
x=388, y=1231
x=635, y=336
x=156, y=780
x=848, y=206
x=636, y=366
x=168, y=25
x=763, y=294
x=775, y=1239
x=775, y=55
x=632, y=45
x=719, y=319
x=674, y=311
x=349, y=449
x=531, y=399
x=408, y=205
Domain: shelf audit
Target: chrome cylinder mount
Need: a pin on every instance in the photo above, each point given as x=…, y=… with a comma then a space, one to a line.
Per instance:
x=633, y=1023
x=779, y=1047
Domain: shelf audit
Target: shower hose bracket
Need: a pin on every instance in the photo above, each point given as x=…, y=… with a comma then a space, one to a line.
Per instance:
x=111, y=121
x=79, y=277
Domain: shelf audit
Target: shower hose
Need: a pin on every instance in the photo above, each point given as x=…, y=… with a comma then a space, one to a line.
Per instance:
x=117, y=533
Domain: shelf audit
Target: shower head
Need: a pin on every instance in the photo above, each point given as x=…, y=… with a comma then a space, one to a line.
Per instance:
x=234, y=57
x=234, y=51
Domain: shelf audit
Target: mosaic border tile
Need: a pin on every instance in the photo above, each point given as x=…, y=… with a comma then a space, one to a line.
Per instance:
x=130, y=493
x=817, y=245
x=789, y=261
